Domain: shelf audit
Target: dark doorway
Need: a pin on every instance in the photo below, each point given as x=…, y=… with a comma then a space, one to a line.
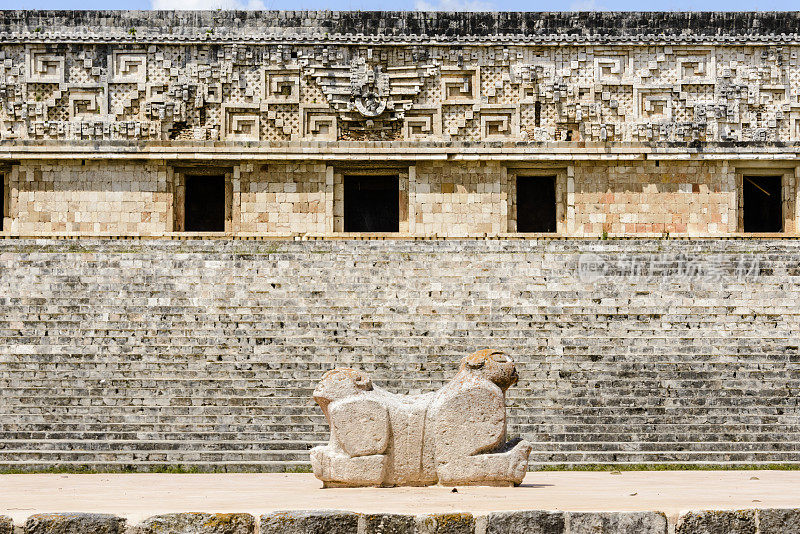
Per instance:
x=763, y=205
x=371, y=204
x=536, y=204
x=205, y=204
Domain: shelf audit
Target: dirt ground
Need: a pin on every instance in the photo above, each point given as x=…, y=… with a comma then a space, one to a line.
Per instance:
x=137, y=496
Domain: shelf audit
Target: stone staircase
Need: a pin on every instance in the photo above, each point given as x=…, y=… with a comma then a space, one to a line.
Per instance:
x=141, y=354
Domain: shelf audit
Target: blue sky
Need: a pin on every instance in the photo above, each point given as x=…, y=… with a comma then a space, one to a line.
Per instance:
x=448, y=5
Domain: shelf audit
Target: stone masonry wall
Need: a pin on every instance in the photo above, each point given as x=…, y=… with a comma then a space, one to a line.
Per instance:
x=459, y=199
x=287, y=198
x=650, y=121
x=646, y=198
x=204, y=353
x=89, y=198
x=449, y=199
x=752, y=521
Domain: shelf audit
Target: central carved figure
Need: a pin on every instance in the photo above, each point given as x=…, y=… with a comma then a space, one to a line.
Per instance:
x=454, y=436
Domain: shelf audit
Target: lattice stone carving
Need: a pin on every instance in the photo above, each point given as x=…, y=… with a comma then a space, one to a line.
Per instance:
x=280, y=123
x=720, y=89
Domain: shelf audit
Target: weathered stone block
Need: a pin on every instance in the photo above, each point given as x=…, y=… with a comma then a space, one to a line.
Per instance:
x=389, y=524
x=69, y=523
x=779, y=521
x=717, y=522
x=527, y=521
x=455, y=523
x=310, y=522
x=617, y=523
x=197, y=523
x=6, y=525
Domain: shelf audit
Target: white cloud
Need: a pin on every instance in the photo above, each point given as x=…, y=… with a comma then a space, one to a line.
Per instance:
x=208, y=4
x=453, y=5
x=586, y=5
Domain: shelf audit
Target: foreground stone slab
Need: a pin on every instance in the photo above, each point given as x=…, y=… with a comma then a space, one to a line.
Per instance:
x=69, y=523
x=389, y=524
x=779, y=521
x=528, y=521
x=197, y=523
x=617, y=522
x=454, y=436
x=455, y=523
x=717, y=522
x=767, y=521
x=310, y=522
x=6, y=525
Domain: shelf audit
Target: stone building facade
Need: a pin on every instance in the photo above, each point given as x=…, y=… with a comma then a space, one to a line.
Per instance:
x=594, y=123
x=205, y=211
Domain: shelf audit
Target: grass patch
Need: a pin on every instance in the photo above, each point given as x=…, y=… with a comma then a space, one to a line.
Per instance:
x=71, y=248
x=192, y=469
x=144, y=468
x=667, y=467
x=297, y=469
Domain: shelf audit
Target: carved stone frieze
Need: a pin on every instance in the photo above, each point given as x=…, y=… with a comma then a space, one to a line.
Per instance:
x=710, y=83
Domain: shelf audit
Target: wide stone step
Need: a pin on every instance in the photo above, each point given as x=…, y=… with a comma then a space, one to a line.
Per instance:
x=205, y=344
x=157, y=466
x=167, y=457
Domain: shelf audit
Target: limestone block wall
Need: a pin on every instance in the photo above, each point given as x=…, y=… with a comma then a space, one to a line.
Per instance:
x=89, y=198
x=459, y=199
x=140, y=353
x=284, y=198
x=443, y=198
x=629, y=198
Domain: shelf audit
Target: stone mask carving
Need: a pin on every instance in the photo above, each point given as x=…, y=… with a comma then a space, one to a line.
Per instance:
x=370, y=104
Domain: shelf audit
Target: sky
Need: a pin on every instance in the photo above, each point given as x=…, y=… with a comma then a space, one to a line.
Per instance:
x=431, y=5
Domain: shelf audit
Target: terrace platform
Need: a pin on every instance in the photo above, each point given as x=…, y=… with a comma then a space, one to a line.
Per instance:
x=135, y=497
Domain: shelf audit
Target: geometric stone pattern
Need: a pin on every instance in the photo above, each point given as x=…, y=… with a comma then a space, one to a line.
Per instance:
x=205, y=353
x=344, y=522
x=310, y=79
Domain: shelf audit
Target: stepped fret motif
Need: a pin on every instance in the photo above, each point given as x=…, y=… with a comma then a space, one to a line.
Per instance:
x=515, y=92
